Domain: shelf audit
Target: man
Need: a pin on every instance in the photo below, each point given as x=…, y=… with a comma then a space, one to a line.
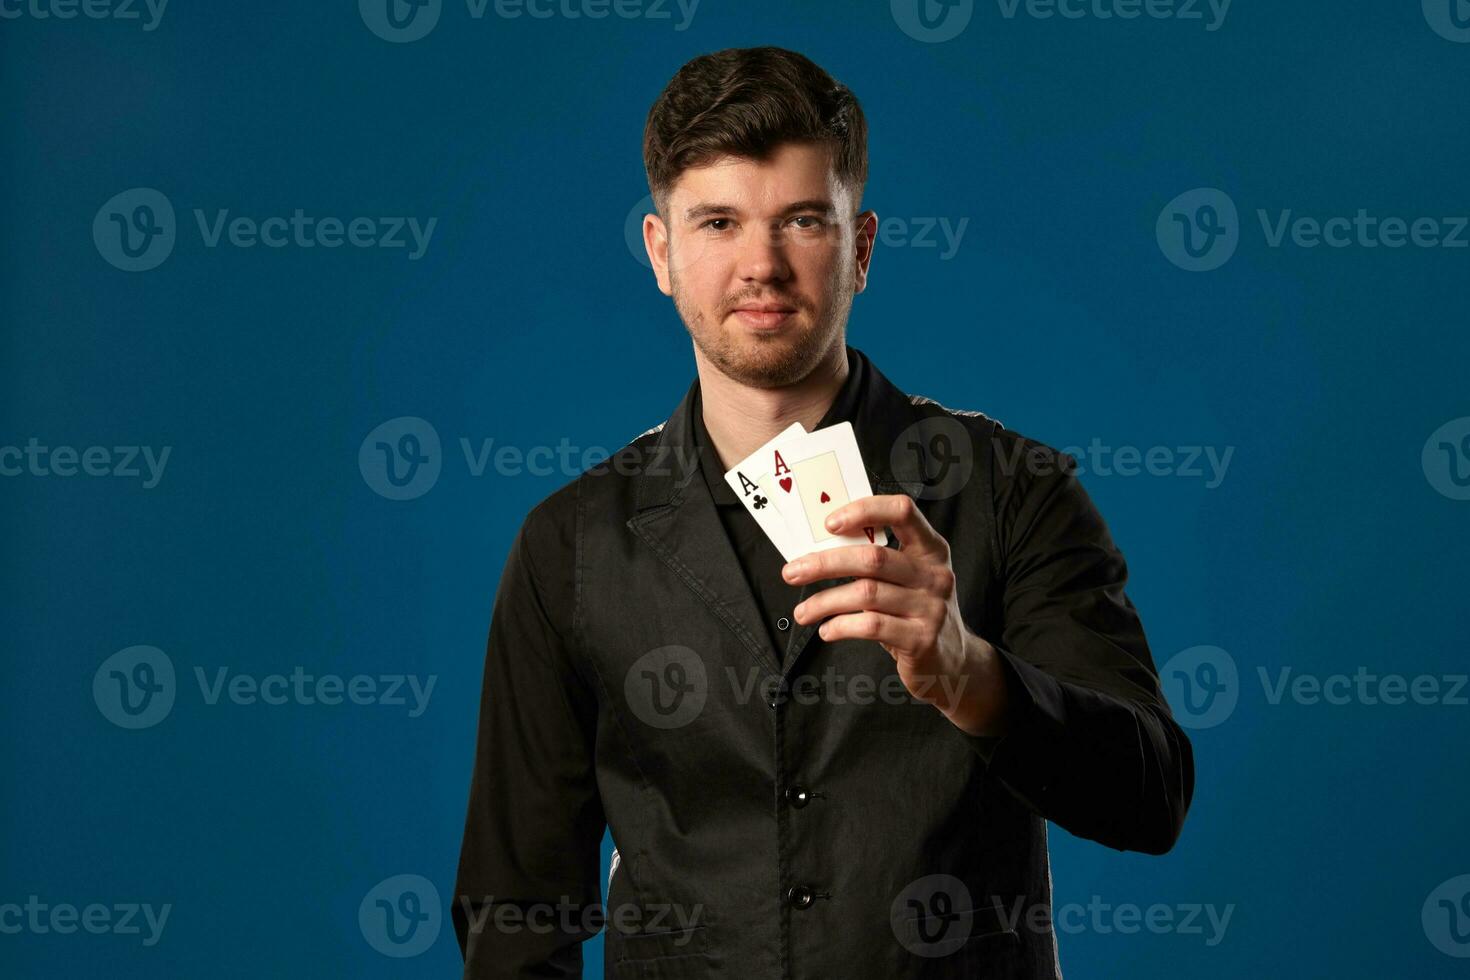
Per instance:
x=863, y=798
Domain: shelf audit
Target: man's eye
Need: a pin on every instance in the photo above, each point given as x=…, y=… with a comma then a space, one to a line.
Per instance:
x=715, y=221
x=815, y=221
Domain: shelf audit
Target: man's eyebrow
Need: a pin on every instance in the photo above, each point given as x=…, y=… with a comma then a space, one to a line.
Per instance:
x=708, y=210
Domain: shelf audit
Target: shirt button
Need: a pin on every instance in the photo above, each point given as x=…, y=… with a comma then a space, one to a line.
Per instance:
x=783, y=623
x=798, y=796
x=799, y=896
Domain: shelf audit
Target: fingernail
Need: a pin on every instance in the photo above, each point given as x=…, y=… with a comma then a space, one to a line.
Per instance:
x=833, y=522
x=793, y=569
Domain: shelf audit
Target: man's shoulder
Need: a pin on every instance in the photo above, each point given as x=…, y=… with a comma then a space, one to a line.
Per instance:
x=553, y=519
x=1010, y=456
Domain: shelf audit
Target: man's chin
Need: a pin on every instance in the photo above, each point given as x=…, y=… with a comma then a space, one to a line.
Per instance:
x=768, y=359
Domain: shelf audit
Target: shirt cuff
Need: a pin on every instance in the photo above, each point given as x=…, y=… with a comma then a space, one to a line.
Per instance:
x=1025, y=756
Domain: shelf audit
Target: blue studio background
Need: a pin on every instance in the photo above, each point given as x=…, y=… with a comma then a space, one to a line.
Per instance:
x=1123, y=269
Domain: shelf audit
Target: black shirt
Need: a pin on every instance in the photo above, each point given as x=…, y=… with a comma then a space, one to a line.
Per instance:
x=759, y=557
x=624, y=689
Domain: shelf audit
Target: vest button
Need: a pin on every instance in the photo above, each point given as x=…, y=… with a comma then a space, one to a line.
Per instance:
x=783, y=623
x=798, y=796
x=799, y=896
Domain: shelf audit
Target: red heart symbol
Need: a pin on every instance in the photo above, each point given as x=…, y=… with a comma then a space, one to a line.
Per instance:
x=825, y=498
x=786, y=483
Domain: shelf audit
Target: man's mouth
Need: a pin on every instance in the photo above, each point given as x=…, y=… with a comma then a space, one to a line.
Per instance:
x=764, y=316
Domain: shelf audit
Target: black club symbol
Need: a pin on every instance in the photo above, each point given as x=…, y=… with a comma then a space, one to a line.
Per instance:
x=760, y=502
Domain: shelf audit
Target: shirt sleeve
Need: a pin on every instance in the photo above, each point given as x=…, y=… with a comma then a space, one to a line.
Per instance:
x=1091, y=743
x=528, y=877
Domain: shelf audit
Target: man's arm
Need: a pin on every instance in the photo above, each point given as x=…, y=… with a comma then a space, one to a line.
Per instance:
x=1090, y=742
x=529, y=864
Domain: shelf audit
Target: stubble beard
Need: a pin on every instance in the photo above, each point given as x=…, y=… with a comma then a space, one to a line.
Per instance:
x=765, y=361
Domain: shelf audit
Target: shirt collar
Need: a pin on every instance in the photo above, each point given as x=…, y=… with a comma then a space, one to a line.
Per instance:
x=881, y=416
x=843, y=408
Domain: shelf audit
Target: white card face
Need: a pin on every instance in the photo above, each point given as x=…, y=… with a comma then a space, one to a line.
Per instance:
x=814, y=475
x=753, y=483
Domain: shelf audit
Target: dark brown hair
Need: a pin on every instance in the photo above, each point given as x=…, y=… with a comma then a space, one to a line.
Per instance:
x=746, y=102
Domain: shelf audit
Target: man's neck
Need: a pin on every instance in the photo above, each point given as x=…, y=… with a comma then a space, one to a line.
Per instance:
x=741, y=419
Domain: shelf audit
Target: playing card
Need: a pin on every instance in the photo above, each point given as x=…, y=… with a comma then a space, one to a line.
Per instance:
x=753, y=483
x=815, y=474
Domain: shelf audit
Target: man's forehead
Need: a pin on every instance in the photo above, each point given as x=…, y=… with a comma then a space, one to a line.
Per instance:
x=792, y=174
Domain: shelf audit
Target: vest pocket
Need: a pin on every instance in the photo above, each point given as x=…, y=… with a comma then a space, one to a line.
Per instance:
x=661, y=954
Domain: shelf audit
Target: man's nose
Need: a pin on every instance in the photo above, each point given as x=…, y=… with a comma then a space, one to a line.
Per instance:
x=764, y=256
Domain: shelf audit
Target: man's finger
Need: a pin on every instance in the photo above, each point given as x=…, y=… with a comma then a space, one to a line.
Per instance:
x=896, y=510
x=869, y=594
x=858, y=561
x=894, y=631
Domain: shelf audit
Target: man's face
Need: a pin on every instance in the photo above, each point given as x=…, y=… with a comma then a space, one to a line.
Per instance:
x=762, y=259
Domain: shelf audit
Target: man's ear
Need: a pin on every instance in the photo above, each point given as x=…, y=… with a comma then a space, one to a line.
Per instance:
x=866, y=225
x=656, y=244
